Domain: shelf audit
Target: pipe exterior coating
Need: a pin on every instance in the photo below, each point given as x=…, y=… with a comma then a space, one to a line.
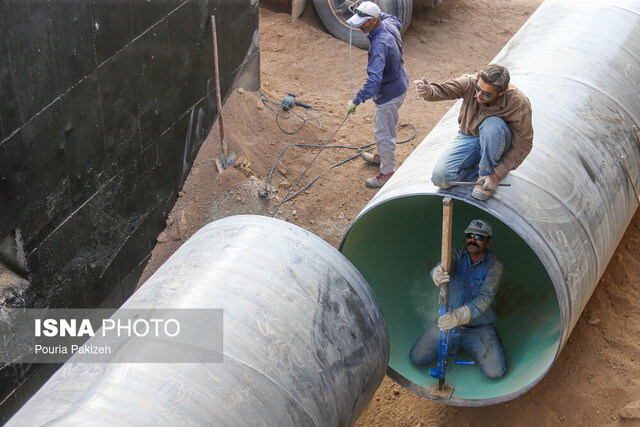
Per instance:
x=305, y=342
x=557, y=225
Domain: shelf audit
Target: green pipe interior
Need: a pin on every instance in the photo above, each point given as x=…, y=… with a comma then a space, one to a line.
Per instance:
x=394, y=246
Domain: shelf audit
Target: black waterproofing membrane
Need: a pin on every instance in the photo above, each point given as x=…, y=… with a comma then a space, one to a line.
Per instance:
x=104, y=106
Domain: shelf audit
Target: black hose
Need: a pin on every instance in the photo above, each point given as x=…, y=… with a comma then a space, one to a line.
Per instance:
x=363, y=148
x=305, y=170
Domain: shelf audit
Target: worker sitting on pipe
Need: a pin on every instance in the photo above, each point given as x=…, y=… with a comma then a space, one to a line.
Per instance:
x=495, y=129
x=473, y=284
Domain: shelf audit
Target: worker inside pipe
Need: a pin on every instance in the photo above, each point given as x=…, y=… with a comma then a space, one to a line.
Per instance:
x=495, y=133
x=473, y=283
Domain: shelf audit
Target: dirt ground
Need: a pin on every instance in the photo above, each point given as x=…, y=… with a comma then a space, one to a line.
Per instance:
x=595, y=381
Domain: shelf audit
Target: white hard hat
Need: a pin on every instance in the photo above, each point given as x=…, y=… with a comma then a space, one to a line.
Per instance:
x=365, y=11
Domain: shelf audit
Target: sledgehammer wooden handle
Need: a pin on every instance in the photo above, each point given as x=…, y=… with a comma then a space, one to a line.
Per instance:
x=447, y=215
x=217, y=78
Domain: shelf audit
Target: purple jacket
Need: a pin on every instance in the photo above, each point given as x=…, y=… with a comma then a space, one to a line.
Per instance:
x=387, y=77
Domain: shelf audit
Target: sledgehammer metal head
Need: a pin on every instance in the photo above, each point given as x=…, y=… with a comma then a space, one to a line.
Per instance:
x=227, y=159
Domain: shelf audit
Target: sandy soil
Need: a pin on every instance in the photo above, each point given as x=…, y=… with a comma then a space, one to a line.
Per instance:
x=596, y=380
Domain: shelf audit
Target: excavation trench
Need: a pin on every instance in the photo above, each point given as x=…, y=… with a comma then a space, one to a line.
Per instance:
x=295, y=309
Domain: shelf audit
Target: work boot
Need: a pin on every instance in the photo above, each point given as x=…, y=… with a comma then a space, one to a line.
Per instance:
x=480, y=193
x=371, y=158
x=378, y=181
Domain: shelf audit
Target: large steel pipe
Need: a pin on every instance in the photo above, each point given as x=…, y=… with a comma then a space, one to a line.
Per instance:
x=305, y=342
x=555, y=228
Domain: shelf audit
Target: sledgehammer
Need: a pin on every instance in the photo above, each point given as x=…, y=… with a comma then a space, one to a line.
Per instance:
x=227, y=159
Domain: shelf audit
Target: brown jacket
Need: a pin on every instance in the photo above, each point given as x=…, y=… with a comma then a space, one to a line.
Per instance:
x=514, y=108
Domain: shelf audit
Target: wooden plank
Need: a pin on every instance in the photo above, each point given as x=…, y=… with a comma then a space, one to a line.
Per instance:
x=445, y=256
x=447, y=208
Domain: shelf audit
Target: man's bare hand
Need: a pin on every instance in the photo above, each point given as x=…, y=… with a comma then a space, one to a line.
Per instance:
x=422, y=87
x=489, y=182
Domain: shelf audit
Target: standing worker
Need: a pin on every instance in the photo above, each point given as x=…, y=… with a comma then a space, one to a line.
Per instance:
x=473, y=284
x=387, y=84
x=495, y=132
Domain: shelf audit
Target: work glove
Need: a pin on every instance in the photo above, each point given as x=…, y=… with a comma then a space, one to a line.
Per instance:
x=459, y=316
x=351, y=107
x=422, y=87
x=440, y=277
x=489, y=182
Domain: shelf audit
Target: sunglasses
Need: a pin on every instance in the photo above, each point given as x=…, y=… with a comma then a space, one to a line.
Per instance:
x=478, y=237
x=485, y=94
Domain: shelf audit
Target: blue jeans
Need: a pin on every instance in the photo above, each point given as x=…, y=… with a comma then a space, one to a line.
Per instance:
x=468, y=155
x=482, y=342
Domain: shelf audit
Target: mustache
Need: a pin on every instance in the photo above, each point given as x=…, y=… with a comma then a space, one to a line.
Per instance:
x=473, y=244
